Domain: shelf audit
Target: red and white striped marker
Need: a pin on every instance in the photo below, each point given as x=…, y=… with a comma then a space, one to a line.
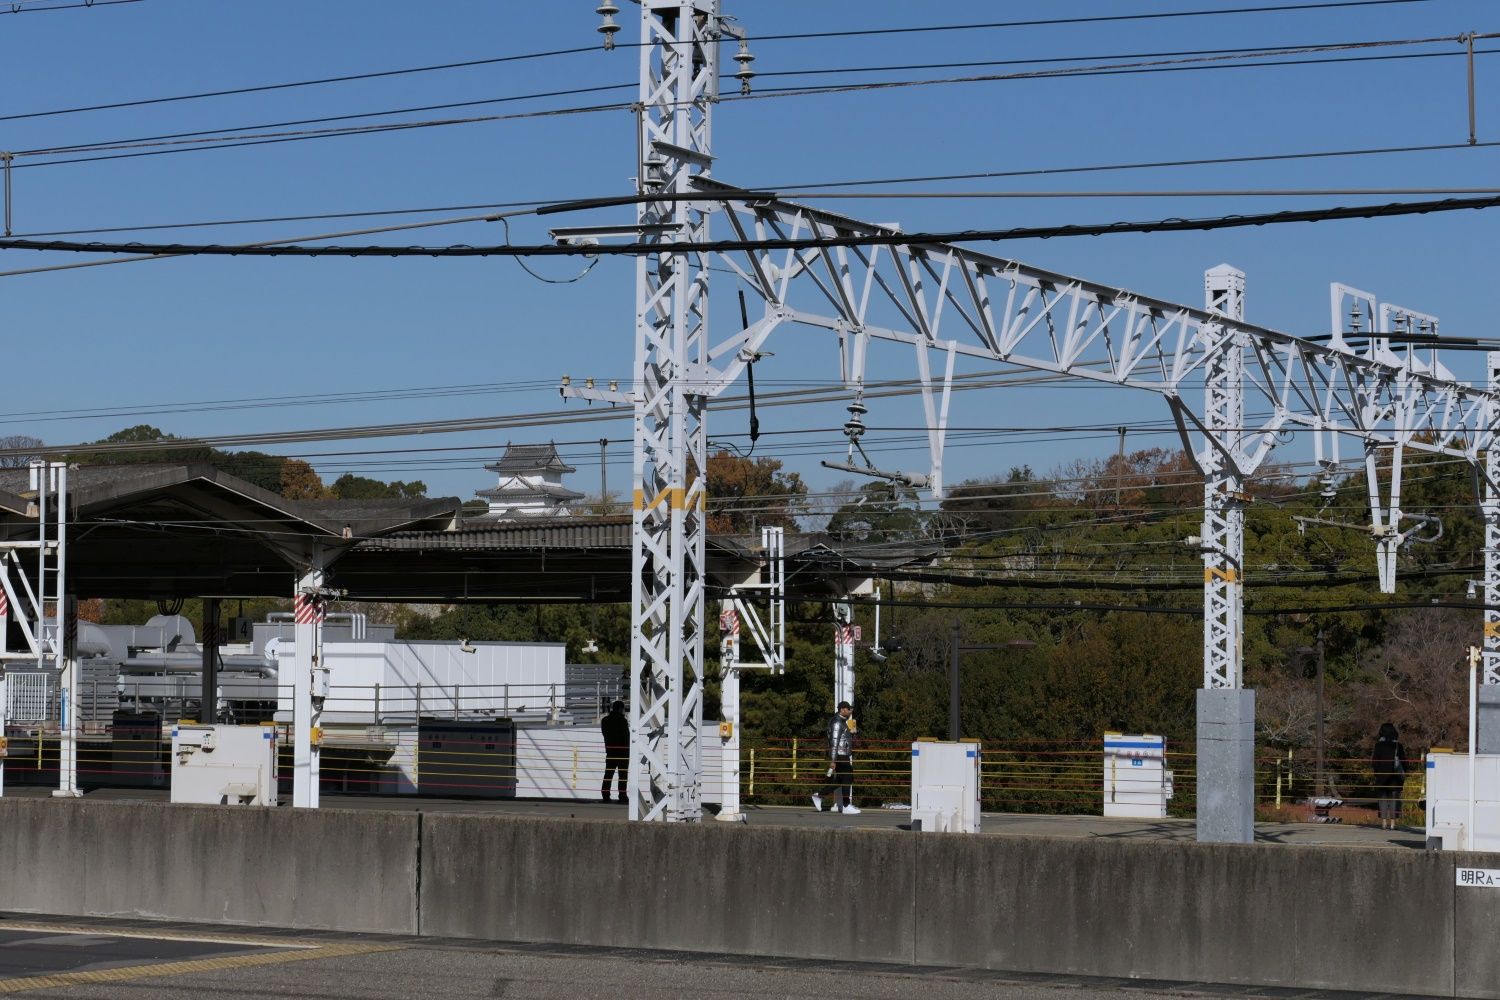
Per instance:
x=308, y=609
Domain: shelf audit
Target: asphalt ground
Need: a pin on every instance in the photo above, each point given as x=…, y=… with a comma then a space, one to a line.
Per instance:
x=142, y=960
x=25, y=953
x=999, y=824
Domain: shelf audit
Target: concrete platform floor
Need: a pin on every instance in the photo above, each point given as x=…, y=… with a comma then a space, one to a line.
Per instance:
x=998, y=824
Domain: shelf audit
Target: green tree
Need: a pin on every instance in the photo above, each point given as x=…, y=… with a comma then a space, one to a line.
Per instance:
x=883, y=512
x=352, y=487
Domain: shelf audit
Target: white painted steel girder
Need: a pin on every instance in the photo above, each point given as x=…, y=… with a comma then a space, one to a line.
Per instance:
x=946, y=298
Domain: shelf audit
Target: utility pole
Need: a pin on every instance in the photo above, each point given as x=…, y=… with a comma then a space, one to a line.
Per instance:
x=603, y=475
x=1120, y=468
x=955, y=680
x=1322, y=773
x=954, y=684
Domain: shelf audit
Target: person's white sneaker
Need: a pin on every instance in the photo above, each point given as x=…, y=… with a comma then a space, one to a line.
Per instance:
x=851, y=810
x=838, y=809
x=818, y=802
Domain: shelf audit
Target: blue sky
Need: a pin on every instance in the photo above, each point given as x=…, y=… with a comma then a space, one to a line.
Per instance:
x=215, y=330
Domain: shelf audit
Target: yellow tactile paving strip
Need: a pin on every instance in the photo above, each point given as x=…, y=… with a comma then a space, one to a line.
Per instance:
x=300, y=952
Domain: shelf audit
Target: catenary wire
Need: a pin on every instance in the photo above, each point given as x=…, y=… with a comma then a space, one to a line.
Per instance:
x=134, y=150
x=530, y=56
x=1183, y=55
x=286, y=248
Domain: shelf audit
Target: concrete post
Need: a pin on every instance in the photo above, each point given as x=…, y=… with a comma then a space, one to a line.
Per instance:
x=1226, y=766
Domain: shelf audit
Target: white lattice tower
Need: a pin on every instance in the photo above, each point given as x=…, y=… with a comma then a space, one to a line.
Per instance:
x=1490, y=510
x=1223, y=535
x=679, y=71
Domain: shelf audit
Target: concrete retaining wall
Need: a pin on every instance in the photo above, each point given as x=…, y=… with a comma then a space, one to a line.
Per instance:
x=1288, y=916
x=1355, y=919
x=334, y=869
x=770, y=891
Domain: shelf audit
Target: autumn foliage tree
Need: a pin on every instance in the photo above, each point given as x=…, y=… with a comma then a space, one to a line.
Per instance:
x=300, y=481
x=746, y=494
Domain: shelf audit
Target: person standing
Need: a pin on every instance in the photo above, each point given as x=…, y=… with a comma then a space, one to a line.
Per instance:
x=616, y=731
x=840, y=763
x=1388, y=761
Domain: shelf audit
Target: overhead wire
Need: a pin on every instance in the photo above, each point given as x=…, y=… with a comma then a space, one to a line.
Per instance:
x=291, y=248
x=800, y=190
x=1190, y=55
x=1085, y=19
x=577, y=50
x=202, y=141
x=32, y=7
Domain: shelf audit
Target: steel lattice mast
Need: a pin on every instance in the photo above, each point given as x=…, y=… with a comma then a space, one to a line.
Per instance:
x=1223, y=536
x=1490, y=512
x=679, y=81
x=1369, y=383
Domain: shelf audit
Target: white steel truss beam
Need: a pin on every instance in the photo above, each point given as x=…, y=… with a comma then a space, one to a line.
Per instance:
x=965, y=303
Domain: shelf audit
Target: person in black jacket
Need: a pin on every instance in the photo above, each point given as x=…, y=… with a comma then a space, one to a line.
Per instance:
x=616, y=730
x=840, y=763
x=1389, y=764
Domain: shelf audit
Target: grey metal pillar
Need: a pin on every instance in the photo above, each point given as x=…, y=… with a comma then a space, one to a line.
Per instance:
x=208, y=712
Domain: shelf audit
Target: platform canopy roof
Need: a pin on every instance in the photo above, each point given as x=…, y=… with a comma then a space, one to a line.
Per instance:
x=191, y=530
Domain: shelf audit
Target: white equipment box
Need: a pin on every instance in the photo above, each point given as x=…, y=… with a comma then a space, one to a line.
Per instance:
x=945, y=787
x=1137, y=784
x=224, y=765
x=1447, y=796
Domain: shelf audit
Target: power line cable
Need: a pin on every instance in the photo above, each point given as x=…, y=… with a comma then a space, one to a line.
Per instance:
x=800, y=190
x=283, y=248
x=264, y=87
x=1193, y=54
x=23, y=7
x=130, y=150
x=1085, y=19
x=1139, y=165
x=530, y=56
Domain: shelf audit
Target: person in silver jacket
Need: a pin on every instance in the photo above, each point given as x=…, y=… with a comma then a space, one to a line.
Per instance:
x=840, y=763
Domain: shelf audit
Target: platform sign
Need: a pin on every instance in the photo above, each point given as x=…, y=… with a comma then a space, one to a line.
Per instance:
x=1483, y=877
